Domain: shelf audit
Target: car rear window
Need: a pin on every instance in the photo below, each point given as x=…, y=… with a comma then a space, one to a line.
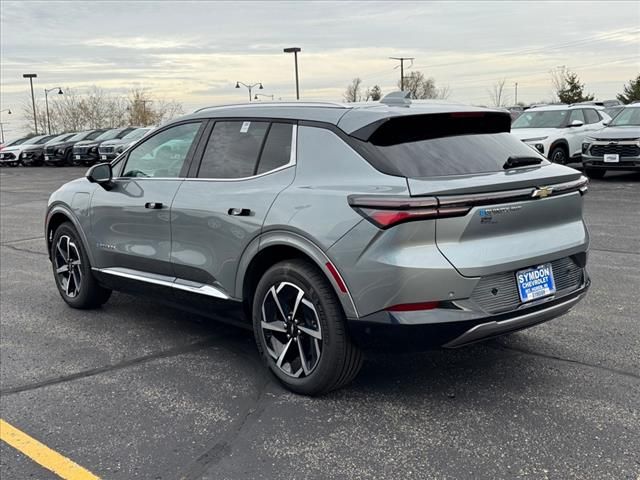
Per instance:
x=455, y=155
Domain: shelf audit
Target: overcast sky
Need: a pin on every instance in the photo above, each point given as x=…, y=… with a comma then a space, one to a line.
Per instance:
x=195, y=52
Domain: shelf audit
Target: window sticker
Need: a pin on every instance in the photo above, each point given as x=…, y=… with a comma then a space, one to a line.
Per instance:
x=245, y=127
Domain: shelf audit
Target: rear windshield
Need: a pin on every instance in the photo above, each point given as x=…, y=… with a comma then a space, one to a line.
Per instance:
x=453, y=155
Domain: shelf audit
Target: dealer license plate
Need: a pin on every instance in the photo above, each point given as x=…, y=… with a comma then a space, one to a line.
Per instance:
x=77, y=157
x=611, y=158
x=103, y=157
x=536, y=282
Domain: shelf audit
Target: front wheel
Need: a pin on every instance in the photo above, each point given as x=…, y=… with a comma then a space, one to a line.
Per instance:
x=558, y=155
x=596, y=173
x=301, y=331
x=72, y=270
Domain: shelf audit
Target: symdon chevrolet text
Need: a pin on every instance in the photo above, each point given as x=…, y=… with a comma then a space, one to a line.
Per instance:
x=331, y=229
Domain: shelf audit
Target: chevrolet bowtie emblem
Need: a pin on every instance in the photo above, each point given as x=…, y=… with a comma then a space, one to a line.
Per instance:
x=542, y=192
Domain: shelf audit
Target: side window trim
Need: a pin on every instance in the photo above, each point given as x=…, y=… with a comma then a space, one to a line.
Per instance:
x=193, y=173
x=187, y=161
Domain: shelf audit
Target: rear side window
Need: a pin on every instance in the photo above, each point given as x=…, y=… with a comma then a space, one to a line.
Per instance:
x=591, y=116
x=233, y=149
x=277, y=148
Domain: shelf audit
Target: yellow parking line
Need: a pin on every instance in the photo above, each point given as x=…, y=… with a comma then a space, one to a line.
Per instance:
x=43, y=455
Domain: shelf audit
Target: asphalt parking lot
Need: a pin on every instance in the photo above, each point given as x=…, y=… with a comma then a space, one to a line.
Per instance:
x=139, y=390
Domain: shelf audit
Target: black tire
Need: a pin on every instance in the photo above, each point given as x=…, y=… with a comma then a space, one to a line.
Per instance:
x=89, y=294
x=69, y=160
x=339, y=360
x=559, y=155
x=596, y=173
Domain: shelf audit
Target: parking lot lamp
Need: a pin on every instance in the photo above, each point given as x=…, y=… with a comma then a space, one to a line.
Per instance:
x=295, y=51
x=46, y=102
x=249, y=87
x=31, y=76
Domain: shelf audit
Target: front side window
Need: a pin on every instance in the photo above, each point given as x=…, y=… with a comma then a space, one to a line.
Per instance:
x=232, y=150
x=591, y=115
x=629, y=116
x=162, y=155
x=576, y=115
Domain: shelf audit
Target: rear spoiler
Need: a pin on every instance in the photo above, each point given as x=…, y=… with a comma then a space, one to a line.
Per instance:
x=413, y=128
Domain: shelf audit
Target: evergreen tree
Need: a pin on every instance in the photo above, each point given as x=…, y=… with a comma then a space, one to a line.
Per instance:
x=631, y=92
x=573, y=91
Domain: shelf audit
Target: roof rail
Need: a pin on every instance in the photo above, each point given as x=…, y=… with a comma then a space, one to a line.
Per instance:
x=397, y=98
x=279, y=104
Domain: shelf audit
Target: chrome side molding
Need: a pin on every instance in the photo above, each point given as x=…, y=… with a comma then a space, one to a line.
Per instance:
x=165, y=281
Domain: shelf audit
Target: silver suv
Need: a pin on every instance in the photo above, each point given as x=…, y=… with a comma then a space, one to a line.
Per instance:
x=331, y=229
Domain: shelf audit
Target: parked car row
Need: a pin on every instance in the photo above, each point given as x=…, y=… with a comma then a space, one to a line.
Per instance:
x=584, y=133
x=73, y=148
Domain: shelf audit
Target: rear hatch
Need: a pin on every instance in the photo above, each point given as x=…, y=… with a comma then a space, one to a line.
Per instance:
x=501, y=205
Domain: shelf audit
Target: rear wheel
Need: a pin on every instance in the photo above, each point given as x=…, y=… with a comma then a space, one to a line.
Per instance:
x=72, y=270
x=559, y=155
x=595, y=172
x=300, y=329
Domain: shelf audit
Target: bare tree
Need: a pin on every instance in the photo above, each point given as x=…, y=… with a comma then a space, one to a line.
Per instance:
x=499, y=98
x=559, y=80
x=421, y=87
x=144, y=110
x=353, y=93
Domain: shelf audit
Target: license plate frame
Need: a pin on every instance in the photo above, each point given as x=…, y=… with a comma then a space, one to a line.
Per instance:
x=611, y=158
x=535, y=282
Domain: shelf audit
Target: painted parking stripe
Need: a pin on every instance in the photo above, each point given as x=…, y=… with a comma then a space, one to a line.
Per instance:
x=43, y=455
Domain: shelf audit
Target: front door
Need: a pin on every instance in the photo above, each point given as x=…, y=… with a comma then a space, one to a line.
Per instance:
x=131, y=222
x=219, y=212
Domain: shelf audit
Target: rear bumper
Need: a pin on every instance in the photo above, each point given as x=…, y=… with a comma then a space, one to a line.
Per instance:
x=456, y=328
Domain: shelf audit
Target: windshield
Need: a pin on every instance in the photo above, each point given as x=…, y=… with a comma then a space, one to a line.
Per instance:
x=60, y=138
x=137, y=133
x=94, y=135
x=20, y=141
x=613, y=111
x=79, y=136
x=546, y=119
x=629, y=116
x=109, y=134
x=35, y=140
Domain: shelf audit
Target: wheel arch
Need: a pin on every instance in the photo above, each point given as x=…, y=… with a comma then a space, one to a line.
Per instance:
x=56, y=216
x=274, y=247
x=561, y=142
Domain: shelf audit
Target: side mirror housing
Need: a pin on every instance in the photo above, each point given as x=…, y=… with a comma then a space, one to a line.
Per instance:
x=605, y=123
x=102, y=174
x=577, y=123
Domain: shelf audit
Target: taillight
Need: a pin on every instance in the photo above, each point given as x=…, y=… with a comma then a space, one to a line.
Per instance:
x=385, y=212
x=412, y=307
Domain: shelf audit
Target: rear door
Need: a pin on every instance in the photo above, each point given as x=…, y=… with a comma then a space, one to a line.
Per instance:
x=221, y=208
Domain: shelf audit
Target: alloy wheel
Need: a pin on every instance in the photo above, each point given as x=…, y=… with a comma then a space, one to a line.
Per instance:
x=68, y=266
x=291, y=330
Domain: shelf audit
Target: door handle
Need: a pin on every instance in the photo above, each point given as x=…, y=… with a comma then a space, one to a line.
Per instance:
x=153, y=205
x=239, y=212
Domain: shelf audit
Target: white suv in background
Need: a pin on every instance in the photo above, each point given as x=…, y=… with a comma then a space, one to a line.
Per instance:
x=557, y=131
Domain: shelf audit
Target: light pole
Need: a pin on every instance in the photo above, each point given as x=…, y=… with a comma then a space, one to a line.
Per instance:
x=249, y=87
x=31, y=76
x=295, y=51
x=263, y=95
x=46, y=102
x=516, y=102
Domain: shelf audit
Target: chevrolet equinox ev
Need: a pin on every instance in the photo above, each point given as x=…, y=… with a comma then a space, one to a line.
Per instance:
x=330, y=229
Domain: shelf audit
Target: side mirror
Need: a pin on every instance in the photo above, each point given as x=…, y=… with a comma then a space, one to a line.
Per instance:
x=605, y=123
x=577, y=123
x=100, y=174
